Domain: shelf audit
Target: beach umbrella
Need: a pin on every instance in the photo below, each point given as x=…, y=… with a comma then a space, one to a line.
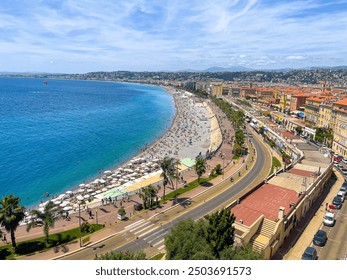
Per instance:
x=57, y=202
x=86, y=196
x=79, y=197
x=67, y=208
x=81, y=190
x=108, y=172
x=93, y=194
x=110, y=186
x=102, y=181
x=98, y=191
x=82, y=185
x=104, y=189
x=41, y=209
x=90, y=190
x=69, y=192
x=64, y=203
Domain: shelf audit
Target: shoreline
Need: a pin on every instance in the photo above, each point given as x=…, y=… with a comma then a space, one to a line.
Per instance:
x=138, y=153
x=185, y=108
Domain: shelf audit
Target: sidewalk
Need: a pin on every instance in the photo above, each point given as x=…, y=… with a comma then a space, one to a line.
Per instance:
x=302, y=237
x=114, y=229
x=107, y=214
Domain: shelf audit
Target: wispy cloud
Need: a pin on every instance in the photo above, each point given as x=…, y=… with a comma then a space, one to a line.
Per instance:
x=88, y=35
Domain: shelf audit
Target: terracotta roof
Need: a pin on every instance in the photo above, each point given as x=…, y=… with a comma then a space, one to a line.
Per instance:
x=341, y=102
x=266, y=200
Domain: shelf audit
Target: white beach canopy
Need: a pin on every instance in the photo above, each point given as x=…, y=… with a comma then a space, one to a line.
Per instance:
x=81, y=185
x=67, y=208
x=79, y=197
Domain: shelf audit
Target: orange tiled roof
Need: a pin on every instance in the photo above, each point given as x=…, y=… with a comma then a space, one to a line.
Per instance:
x=342, y=102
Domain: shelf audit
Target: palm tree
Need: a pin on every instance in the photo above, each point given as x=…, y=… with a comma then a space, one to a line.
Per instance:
x=168, y=166
x=11, y=214
x=153, y=191
x=200, y=167
x=144, y=194
x=50, y=214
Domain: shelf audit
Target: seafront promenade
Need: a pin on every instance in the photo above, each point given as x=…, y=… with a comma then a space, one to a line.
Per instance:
x=107, y=214
x=190, y=134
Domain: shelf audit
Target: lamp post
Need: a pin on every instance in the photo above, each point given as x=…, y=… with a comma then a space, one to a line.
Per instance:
x=176, y=181
x=223, y=157
x=79, y=221
x=96, y=216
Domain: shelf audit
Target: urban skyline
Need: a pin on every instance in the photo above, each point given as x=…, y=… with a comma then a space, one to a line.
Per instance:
x=83, y=36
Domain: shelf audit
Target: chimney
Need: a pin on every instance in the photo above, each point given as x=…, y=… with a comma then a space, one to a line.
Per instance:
x=304, y=185
x=241, y=222
x=281, y=213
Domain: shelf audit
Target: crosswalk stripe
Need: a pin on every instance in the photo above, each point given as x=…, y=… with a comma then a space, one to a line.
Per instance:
x=139, y=226
x=154, y=233
x=142, y=229
x=135, y=224
x=160, y=242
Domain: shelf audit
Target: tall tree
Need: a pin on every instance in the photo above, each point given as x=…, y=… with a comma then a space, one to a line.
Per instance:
x=187, y=241
x=220, y=232
x=50, y=214
x=11, y=214
x=200, y=167
x=169, y=171
x=240, y=253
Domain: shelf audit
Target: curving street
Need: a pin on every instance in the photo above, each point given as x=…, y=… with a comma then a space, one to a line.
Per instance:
x=148, y=234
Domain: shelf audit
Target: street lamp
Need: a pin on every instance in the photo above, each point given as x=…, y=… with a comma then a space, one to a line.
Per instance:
x=223, y=157
x=79, y=220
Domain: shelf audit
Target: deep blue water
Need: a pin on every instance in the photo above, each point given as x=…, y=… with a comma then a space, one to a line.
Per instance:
x=55, y=136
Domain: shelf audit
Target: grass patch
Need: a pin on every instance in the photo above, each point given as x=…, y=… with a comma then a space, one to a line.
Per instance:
x=157, y=257
x=275, y=163
x=186, y=188
x=39, y=244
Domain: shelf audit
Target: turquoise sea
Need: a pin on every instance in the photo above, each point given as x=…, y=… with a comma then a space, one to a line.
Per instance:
x=56, y=135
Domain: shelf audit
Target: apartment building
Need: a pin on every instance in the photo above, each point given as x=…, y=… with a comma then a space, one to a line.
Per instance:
x=339, y=113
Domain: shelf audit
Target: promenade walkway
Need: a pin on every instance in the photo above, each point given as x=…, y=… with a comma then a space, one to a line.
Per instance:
x=107, y=214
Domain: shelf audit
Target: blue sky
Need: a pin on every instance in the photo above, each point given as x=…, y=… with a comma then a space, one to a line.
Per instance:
x=78, y=36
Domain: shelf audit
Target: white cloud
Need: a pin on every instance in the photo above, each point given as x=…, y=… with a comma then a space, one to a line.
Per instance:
x=291, y=57
x=91, y=35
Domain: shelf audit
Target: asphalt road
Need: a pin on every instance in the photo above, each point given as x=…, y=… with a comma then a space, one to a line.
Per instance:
x=148, y=235
x=336, y=246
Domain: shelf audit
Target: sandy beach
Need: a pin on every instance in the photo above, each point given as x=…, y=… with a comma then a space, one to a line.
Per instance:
x=190, y=134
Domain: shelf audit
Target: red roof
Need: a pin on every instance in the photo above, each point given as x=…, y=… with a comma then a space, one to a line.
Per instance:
x=266, y=200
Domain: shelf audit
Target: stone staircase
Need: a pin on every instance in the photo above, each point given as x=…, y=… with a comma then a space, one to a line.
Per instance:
x=267, y=228
x=263, y=236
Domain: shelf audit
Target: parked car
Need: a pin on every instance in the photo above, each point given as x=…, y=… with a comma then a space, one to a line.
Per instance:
x=344, y=160
x=341, y=194
x=309, y=254
x=344, y=171
x=329, y=219
x=343, y=189
x=320, y=238
x=337, y=202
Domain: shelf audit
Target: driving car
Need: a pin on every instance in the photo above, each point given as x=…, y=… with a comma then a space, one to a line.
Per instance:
x=320, y=238
x=329, y=219
x=309, y=254
x=337, y=202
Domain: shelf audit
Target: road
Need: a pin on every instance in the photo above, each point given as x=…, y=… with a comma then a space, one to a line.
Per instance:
x=149, y=234
x=336, y=246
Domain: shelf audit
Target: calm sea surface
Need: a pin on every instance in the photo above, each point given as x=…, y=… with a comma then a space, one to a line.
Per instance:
x=55, y=136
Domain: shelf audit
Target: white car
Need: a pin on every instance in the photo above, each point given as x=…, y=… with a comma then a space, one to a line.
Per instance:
x=342, y=195
x=329, y=219
x=344, y=160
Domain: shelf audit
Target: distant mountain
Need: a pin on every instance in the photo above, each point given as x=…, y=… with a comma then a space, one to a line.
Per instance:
x=220, y=69
x=241, y=69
